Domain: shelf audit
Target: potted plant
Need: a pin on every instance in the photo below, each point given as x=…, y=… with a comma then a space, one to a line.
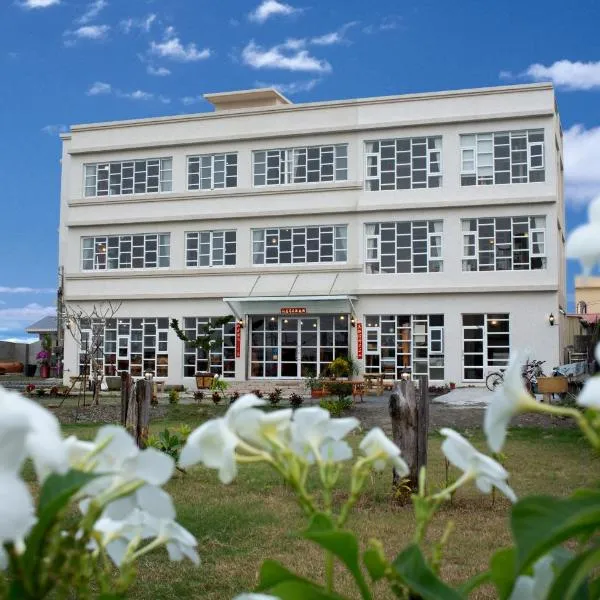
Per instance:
x=43, y=359
x=452, y=385
x=316, y=386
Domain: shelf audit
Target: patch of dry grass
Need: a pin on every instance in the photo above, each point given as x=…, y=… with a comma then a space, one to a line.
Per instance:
x=254, y=518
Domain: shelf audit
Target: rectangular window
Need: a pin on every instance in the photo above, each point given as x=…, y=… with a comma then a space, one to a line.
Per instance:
x=150, y=176
x=315, y=164
x=210, y=248
x=486, y=344
x=220, y=359
x=399, y=344
x=403, y=247
x=133, y=345
x=137, y=251
x=504, y=244
x=212, y=171
x=403, y=164
x=503, y=157
x=314, y=244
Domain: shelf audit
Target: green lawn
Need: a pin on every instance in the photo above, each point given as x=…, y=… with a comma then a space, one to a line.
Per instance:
x=239, y=525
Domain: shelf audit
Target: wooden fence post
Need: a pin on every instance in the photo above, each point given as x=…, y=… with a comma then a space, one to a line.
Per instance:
x=125, y=396
x=409, y=411
x=144, y=412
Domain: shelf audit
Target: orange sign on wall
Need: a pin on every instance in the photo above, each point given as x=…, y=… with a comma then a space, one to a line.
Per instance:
x=238, y=340
x=293, y=310
x=359, y=340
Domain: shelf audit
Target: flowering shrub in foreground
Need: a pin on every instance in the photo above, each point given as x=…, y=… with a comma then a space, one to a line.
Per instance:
x=116, y=488
x=537, y=566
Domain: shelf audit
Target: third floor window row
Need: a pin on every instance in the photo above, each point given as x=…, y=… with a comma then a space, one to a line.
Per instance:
x=390, y=164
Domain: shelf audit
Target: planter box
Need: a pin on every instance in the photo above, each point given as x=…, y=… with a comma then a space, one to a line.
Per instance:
x=204, y=380
x=318, y=393
x=113, y=383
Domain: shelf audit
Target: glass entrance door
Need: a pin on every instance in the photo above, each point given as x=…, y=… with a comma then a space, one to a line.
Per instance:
x=294, y=347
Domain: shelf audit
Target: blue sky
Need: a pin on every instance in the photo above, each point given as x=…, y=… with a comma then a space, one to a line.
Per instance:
x=75, y=61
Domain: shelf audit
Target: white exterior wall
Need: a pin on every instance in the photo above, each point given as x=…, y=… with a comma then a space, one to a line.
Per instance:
x=529, y=296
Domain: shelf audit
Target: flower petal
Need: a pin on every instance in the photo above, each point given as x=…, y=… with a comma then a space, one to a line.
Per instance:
x=340, y=428
x=590, y=394
x=14, y=428
x=156, y=502
x=120, y=509
x=332, y=451
x=17, y=513
x=116, y=550
x=154, y=467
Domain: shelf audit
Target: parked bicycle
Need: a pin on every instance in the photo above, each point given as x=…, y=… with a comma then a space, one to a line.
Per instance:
x=531, y=371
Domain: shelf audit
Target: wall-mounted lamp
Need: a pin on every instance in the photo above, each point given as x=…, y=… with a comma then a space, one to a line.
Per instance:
x=353, y=321
x=551, y=320
x=240, y=323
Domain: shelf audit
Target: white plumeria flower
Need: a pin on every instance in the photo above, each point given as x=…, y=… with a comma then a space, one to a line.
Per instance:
x=43, y=439
x=379, y=448
x=584, y=241
x=314, y=434
x=121, y=462
x=509, y=399
x=538, y=586
x=484, y=470
x=263, y=428
x=214, y=443
x=590, y=394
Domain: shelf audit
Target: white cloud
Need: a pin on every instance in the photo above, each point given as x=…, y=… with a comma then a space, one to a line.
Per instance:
x=26, y=290
x=581, y=152
x=294, y=87
x=136, y=95
x=86, y=32
x=143, y=24
x=19, y=340
x=93, y=10
x=157, y=71
x=275, y=58
x=15, y=318
x=270, y=8
x=189, y=100
x=388, y=23
x=334, y=37
x=99, y=88
x=567, y=74
x=54, y=129
x=173, y=49
x=29, y=4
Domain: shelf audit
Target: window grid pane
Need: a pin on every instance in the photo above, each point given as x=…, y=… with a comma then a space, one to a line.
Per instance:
x=315, y=164
x=210, y=248
x=502, y=157
x=313, y=244
x=403, y=163
x=212, y=171
x=504, y=244
x=148, y=176
x=221, y=357
x=404, y=247
x=139, y=251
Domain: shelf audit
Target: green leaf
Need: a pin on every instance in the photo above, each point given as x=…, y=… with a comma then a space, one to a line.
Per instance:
x=502, y=571
x=571, y=581
x=277, y=580
x=376, y=565
x=342, y=544
x=418, y=576
x=476, y=581
x=55, y=494
x=539, y=523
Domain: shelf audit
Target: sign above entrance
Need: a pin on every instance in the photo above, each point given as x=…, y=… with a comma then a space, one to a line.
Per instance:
x=293, y=310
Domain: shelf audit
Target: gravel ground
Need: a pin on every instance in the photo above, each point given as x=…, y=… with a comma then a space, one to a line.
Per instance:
x=375, y=413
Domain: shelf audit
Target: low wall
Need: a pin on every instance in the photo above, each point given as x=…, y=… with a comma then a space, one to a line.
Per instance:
x=24, y=353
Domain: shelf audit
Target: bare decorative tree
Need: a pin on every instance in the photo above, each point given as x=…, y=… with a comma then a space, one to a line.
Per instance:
x=210, y=334
x=87, y=328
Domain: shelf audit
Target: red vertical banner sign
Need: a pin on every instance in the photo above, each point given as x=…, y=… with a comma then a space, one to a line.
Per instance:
x=238, y=340
x=359, y=340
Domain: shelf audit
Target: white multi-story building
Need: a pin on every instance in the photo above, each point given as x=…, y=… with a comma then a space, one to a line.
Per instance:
x=421, y=233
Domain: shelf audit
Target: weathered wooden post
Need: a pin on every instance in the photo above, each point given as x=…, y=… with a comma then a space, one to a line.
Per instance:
x=144, y=412
x=131, y=422
x=409, y=411
x=125, y=395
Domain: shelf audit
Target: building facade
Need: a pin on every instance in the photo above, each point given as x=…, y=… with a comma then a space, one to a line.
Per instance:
x=420, y=234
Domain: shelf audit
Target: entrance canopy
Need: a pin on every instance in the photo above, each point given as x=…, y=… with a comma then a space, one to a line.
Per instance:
x=290, y=305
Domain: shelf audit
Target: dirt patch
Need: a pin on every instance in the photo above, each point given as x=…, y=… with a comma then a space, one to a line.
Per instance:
x=105, y=413
x=376, y=415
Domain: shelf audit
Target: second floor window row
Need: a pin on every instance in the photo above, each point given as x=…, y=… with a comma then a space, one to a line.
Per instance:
x=320, y=244
x=129, y=177
x=315, y=164
x=210, y=248
x=142, y=251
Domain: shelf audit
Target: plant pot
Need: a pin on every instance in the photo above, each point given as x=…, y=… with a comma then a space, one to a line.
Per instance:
x=317, y=393
x=30, y=370
x=452, y=386
x=44, y=371
x=204, y=380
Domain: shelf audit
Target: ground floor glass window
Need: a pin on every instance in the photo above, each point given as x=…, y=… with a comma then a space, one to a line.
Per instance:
x=291, y=347
x=221, y=359
x=398, y=344
x=486, y=344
